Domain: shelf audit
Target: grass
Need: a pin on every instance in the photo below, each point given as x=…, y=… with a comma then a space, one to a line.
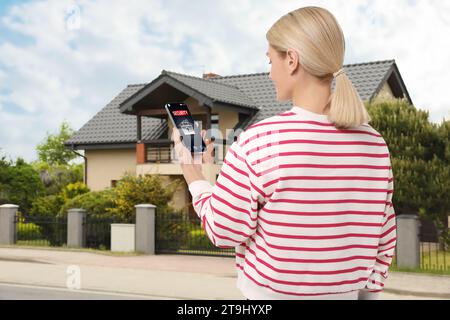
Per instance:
x=435, y=267
x=419, y=270
x=33, y=243
x=204, y=252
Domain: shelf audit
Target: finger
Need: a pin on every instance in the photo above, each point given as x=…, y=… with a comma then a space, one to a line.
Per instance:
x=197, y=158
x=176, y=135
x=183, y=154
x=203, y=134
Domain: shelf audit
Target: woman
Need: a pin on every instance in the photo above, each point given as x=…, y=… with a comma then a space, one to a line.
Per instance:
x=305, y=197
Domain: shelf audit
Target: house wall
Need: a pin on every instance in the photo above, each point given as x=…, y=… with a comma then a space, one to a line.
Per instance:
x=227, y=121
x=109, y=164
x=385, y=94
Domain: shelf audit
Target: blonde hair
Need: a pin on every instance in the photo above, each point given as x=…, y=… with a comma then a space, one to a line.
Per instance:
x=316, y=35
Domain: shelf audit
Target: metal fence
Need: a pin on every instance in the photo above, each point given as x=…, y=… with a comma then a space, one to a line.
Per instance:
x=434, y=256
x=181, y=234
x=40, y=230
x=434, y=253
x=50, y=231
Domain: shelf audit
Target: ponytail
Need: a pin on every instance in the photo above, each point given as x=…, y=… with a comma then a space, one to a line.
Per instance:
x=346, y=109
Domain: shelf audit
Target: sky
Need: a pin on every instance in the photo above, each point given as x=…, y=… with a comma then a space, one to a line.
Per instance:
x=64, y=60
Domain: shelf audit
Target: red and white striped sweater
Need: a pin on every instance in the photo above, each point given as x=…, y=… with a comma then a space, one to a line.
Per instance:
x=307, y=206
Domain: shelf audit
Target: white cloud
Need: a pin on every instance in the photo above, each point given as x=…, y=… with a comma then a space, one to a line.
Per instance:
x=70, y=71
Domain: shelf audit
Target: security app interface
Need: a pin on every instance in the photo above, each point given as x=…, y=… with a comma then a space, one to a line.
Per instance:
x=183, y=121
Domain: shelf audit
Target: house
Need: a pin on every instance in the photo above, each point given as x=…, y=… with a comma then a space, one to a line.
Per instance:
x=131, y=133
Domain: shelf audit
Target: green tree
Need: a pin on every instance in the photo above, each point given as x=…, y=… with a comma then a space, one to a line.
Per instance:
x=57, y=177
x=419, y=153
x=19, y=184
x=407, y=130
x=52, y=149
x=53, y=164
x=5, y=176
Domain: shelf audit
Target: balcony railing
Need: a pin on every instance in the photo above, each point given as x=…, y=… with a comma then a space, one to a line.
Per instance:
x=161, y=151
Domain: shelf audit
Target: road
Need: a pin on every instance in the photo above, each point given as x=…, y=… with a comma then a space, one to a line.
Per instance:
x=26, y=292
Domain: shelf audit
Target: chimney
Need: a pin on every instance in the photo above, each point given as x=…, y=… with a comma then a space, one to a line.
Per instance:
x=210, y=75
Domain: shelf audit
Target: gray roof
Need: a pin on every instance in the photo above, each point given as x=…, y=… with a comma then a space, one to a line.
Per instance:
x=110, y=126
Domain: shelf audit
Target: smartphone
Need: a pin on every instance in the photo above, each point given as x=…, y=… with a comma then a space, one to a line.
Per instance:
x=182, y=119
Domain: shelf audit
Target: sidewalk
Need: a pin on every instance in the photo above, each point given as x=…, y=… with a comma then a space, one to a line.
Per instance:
x=171, y=276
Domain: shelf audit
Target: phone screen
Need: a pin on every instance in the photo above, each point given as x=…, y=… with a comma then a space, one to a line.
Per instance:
x=189, y=131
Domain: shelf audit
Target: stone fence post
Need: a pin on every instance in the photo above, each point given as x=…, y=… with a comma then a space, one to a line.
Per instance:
x=145, y=228
x=408, y=241
x=76, y=231
x=8, y=230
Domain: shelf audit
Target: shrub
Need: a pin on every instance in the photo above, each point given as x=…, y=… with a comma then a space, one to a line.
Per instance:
x=96, y=203
x=74, y=189
x=132, y=190
x=172, y=230
x=29, y=231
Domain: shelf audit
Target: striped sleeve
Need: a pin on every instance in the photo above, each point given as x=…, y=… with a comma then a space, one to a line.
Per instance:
x=228, y=210
x=386, y=247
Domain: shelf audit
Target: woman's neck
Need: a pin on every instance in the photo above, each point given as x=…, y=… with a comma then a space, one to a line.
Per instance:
x=313, y=96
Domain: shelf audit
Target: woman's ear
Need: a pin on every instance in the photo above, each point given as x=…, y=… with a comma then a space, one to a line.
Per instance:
x=292, y=60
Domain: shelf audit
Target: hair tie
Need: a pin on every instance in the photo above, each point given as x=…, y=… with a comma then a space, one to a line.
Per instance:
x=336, y=74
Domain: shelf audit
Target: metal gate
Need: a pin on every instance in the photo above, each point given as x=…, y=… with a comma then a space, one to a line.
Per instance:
x=177, y=233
